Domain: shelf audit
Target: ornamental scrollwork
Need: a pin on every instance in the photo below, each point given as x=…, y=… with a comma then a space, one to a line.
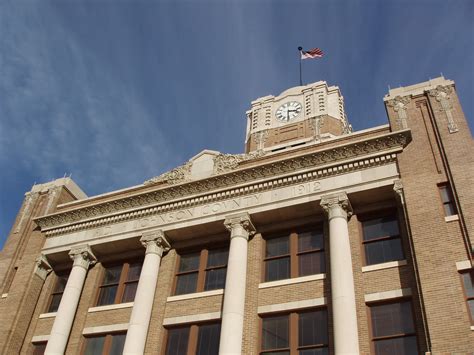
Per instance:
x=399, y=105
x=227, y=162
x=442, y=94
x=175, y=176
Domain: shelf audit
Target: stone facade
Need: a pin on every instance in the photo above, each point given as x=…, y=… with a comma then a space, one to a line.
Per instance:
x=334, y=179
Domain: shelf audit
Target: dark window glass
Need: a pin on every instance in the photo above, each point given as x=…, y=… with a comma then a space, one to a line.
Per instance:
x=186, y=284
x=119, y=283
x=38, y=349
x=208, y=339
x=57, y=293
x=319, y=351
x=275, y=333
x=310, y=241
x=277, y=269
x=312, y=328
x=448, y=200
x=311, y=264
x=393, y=329
x=381, y=240
x=189, y=262
x=215, y=279
x=311, y=259
x=216, y=269
x=177, y=341
x=217, y=258
x=118, y=342
x=468, y=282
x=278, y=246
x=94, y=345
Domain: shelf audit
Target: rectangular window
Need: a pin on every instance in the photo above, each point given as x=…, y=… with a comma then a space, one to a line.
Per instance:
x=202, y=339
x=393, y=328
x=106, y=344
x=57, y=293
x=447, y=199
x=304, y=333
x=119, y=283
x=468, y=284
x=202, y=271
x=39, y=348
x=295, y=254
x=381, y=240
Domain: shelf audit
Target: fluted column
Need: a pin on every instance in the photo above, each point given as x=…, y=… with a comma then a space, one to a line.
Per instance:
x=83, y=258
x=241, y=228
x=155, y=244
x=346, y=338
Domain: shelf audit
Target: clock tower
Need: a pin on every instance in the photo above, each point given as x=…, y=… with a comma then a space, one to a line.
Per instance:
x=299, y=115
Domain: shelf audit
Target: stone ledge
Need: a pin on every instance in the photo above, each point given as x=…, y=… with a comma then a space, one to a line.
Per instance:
x=295, y=280
x=452, y=218
x=380, y=296
x=47, y=315
x=195, y=295
x=382, y=266
x=292, y=305
x=192, y=318
x=110, y=307
x=463, y=265
x=39, y=338
x=105, y=329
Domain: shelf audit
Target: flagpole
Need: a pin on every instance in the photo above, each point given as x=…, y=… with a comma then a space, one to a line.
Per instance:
x=301, y=78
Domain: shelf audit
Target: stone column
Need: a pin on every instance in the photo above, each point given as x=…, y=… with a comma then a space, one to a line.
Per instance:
x=346, y=338
x=83, y=258
x=155, y=244
x=240, y=227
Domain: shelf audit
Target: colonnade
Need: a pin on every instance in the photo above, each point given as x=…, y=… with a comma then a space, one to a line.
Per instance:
x=338, y=210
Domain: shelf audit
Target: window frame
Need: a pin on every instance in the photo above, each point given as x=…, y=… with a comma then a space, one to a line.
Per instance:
x=39, y=348
x=466, y=298
x=122, y=282
x=201, y=270
x=365, y=217
x=193, y=337
x=293, y=331
x=396, y=336
x=107, y=342
x=451, y=201
x=294, y=254
x=54, y=292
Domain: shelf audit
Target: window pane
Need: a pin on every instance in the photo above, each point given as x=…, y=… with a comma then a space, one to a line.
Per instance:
x=217, y=257
x=380, y=227
x=55, y=299
x=107, y=295
x=275, y=333
x=277, y=269
x=215, y=279
x=398, y=346
x=312, y=327
x=177, y=341
x=276, y=353
x=208, y=339
x=445, y=195
x=383, y=251
x=449, y=209
x=319, y=351
x=118, y=341
x=134, y=271
x=112, y=275
x=129, y=292
x=310, y=240
x=60, y=284
x=186, y=283
x=468, y=279
x=278, y=246
x=470, y=303
x=38, y=349
x=189, y=262
x=94, y=345
x=312, y=263
x=392, y=319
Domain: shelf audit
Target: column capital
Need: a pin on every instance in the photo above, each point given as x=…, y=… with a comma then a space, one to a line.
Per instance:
x=82, y=256
x=155, y=242
x=42, y=267
x=337, y=205
x=240, y=220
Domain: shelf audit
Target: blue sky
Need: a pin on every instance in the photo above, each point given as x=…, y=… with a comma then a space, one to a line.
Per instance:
x=116, y=92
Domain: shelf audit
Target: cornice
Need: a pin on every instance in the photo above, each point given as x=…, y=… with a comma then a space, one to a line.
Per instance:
x=296, y=169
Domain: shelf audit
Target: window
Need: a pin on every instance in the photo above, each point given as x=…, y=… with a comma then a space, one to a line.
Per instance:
x=201, y=271
x=303, y=333
x=468, y=283
x=57, y=293
x=39, y=348
x=106, y=344
x=119, y=284
x=294, y=255
x=447, y=199
x=382, y=241
x=393, y=329
x=200, y=339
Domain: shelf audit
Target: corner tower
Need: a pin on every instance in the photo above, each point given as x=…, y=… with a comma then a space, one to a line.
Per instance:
x=299, y=115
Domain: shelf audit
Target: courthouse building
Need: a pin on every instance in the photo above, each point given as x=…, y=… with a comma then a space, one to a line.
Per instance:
x=316, y=240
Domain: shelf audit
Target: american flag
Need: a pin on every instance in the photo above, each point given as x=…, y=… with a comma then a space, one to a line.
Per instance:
x=312, y=53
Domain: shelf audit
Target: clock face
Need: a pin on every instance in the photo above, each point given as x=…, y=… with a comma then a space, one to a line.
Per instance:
x=288, y=111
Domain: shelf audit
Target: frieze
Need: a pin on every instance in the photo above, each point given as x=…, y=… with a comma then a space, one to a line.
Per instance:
x=395, y=140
